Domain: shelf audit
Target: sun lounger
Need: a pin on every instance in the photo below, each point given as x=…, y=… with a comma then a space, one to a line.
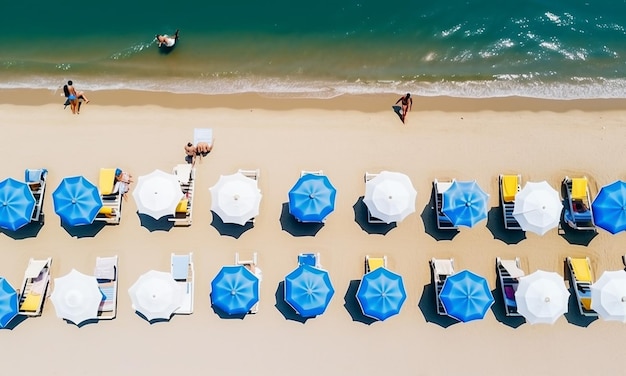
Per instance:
x=318, y=172
x=35, y=287
x=581, y=280
x=36, y=180
x=254, y=175
x=107, y=275
x=509, y=186
x=183, y=273
x=111, y=211
x=373, y=263
x=442, y=269
x=443, y=222
x=184, y=211
x=311, y=259
x=252, y=266
x=578, y=214
x=370, y=218
x=508, y=272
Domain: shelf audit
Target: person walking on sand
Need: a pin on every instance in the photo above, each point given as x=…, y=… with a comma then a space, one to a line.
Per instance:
x=70, y=92
x=407, y=103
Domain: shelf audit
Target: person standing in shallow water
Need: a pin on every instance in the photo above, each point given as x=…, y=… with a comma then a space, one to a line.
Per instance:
x=407, y=103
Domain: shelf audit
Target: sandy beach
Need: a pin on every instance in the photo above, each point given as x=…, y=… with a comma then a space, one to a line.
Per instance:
x=346, y=136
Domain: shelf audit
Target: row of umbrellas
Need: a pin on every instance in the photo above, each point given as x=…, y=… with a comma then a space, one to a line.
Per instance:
x=541, y=296
x=389, y=196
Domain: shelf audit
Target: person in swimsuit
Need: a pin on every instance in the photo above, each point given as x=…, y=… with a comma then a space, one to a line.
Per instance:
x=72, y=97
x=407, y=103
x=167, y=40
x=190, y=153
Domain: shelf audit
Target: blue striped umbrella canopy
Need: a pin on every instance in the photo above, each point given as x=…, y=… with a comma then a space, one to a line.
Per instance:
x=381, y=294
x=235, y=290
x=466, y=296
x=77, y=201
x=8, y=302
x=17, y=204
x=312, y=198
x=465, y=203
x=609, y=207
x=308, y=290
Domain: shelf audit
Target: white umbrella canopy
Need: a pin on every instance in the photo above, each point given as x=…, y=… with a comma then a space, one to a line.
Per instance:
x=76, y=297
x=608, y=296
x=236, y=198
x=157, y=194
x=390, y=196
x=156, y=295
x=538, y=207
x=542, y=297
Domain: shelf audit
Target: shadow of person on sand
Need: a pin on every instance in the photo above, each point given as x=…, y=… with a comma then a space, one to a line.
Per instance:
x=398, y=111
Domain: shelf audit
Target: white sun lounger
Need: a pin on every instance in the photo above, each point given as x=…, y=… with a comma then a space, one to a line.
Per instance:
x=305, y=172
x=370, y=218
x=183, y=273
x=35, y=287
x=442, y=269
x=203, y=135
x=184, y=211
x=36, y=180
x=252, y=265
x=443, y=222
x=107, y=275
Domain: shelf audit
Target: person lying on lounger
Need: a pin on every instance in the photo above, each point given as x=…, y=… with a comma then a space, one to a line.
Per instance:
x=122, y=182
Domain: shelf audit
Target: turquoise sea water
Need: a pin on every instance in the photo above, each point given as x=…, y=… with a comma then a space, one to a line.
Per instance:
x=554, y=49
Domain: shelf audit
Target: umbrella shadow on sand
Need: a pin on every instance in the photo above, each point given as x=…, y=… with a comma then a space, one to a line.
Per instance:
x=360, y=217
x=84, y=231
x=290, y=224
x=495, y=224
x=31, y=230
x=575, y=237
x=17, y=320
x=151, y=224
x=430, y=221
x=84, y=323
x=229, y=229
x=154, y=321
x=224, y=315
x=352, y=304
x=427, y=304
x=284, y=308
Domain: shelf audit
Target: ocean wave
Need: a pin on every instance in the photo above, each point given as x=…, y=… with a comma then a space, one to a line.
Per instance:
x=526, y=85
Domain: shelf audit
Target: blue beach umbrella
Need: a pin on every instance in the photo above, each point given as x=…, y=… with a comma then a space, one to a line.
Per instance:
x=466, y=296
x=465, y=203
x=8, y=303
x=77, y=201
x=381, y=294
x=312, y=198
x=235, y=290
x=609, y=207
x=16, y=204
x=308, y=290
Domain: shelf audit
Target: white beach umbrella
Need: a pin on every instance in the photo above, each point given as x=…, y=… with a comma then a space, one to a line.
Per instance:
x=157, y=194
x=538, y=207
x=608, y=296
x=156, y=295
x=76, y=297
x=236, y=198
x=541, y=297
x=390, y=196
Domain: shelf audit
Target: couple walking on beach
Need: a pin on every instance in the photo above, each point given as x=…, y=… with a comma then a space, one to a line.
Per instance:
x=74, y=98
x=201, y=150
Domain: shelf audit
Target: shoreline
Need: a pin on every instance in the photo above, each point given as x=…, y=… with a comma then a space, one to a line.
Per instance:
x=368, y=103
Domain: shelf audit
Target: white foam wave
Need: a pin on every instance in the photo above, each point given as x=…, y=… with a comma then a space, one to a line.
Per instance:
x=527, y=85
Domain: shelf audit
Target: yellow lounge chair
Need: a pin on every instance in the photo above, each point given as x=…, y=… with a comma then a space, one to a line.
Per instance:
x=373, y=263
x=184, y=210
x=35, y=287
x=581, y=279
x=111, y=211
x=578, y=213
x=509, y=186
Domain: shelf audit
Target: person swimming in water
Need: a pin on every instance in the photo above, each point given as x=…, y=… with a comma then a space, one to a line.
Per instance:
x=166, y=40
